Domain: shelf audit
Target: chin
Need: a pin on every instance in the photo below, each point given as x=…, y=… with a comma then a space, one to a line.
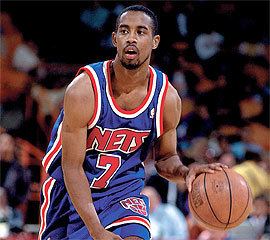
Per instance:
x=130, y=66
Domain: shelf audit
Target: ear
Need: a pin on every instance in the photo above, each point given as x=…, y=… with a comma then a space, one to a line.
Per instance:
x=114, y=42
x=156, y=41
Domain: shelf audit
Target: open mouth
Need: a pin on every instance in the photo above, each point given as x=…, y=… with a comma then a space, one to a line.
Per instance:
x=131, y=52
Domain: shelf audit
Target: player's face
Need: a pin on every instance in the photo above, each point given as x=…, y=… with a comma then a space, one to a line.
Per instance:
x=134, y=39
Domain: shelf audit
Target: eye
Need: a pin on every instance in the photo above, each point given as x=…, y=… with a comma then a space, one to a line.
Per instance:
x=123, y=31
x=140, y=32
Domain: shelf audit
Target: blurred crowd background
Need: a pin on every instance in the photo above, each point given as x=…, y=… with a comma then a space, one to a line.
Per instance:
x=216, y=55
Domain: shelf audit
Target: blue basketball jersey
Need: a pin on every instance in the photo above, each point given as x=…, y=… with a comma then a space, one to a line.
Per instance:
x=117, y=140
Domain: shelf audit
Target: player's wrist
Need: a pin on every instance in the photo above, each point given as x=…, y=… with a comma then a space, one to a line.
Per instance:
x=95, y=230
x=184, y=170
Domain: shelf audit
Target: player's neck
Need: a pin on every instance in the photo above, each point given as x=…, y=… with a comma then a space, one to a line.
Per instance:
x=129, y=78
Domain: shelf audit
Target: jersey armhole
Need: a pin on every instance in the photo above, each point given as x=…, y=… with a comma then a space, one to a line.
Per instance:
x=95, y=85
x=160, y=105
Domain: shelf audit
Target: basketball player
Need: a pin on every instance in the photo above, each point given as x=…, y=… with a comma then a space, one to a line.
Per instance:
x=114, y=111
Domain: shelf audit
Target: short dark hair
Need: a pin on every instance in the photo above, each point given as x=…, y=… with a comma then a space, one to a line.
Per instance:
x=140, y=8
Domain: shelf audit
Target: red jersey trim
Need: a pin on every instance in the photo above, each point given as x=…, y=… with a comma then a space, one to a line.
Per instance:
x=162, y=105
x=46, y=191
x=57, y=146
x=94, y=85
x=130, y=219
x=145, y=100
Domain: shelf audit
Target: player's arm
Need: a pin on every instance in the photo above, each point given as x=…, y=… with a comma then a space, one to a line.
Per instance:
x=167, y=161
x=78, y=109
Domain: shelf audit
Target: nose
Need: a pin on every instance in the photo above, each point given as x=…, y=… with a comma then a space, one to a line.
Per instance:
x=132, y=38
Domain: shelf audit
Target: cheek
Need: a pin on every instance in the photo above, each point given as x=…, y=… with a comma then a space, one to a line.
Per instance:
x=147, y=47
x=118, y=42
x=119, y=48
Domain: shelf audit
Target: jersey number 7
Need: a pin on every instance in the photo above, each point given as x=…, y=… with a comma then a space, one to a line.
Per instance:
x=110, y=164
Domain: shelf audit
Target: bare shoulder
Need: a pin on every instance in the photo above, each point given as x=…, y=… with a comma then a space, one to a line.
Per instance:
x=172, y=97
x=80, y=88
x=79, y=100
x=172, y=108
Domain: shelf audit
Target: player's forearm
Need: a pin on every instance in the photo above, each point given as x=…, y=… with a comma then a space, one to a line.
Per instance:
x=79, y=191
x=171, y=168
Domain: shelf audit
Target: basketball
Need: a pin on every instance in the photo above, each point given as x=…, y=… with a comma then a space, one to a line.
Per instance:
x=220, y=200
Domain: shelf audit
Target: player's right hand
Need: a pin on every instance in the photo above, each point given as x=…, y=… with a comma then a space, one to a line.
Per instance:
x=106, y=235
x=195, y=169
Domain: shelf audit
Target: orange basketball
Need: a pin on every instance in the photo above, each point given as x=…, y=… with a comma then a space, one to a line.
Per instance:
x=221, y=200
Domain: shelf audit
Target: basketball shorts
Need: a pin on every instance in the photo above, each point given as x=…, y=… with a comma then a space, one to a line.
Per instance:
x=125, y=216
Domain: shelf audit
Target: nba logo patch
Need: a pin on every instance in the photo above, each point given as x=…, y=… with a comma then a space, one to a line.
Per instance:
x=152, y=113
x=136, y=205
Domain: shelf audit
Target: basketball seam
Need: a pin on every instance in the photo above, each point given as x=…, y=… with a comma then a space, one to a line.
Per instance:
x=202, y=220
x=204, y=185
x=245, y=206
x=227, y=224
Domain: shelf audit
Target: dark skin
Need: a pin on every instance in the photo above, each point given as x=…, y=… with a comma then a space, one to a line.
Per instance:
x=129, y=88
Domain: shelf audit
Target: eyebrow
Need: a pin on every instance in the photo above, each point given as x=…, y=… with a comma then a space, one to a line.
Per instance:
x=127, y=26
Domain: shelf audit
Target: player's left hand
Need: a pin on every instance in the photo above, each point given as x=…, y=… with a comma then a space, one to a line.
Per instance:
x=195, y=169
